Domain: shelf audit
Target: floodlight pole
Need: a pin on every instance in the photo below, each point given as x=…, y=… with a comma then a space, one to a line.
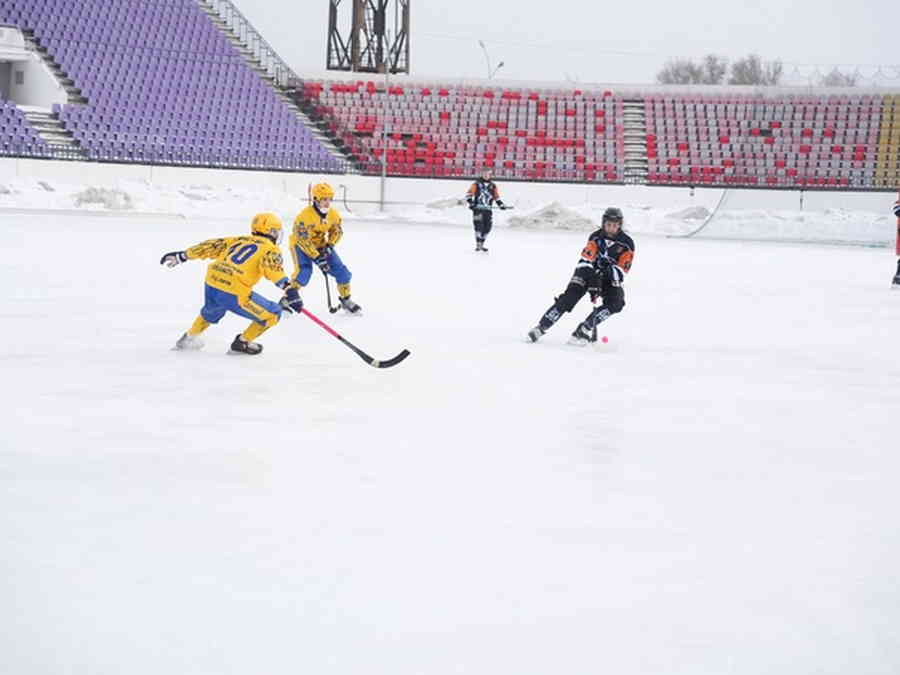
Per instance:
x=490, y=71
x=486, y=57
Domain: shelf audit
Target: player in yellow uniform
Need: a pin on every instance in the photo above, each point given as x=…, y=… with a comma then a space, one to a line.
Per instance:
x=239, y=263
x=317, y=230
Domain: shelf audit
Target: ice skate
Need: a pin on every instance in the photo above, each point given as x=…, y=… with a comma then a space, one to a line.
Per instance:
x=188, y=343
x=896, y=282
x=349, y=306
x=535, y=333
x=242, y=346
x=581, y=337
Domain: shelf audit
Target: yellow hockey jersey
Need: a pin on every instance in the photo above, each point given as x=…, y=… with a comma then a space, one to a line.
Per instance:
x=312, y=232
x=240, y=262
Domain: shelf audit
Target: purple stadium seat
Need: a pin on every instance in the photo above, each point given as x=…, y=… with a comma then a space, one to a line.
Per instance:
x=165, y=67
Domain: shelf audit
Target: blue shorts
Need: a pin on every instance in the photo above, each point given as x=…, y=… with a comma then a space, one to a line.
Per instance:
x=305, y=264
x=255, y=307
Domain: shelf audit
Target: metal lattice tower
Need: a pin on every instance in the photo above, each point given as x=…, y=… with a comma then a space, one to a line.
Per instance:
x=376, y=40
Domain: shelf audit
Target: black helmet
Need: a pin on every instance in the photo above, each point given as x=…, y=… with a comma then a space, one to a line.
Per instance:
x=613, y=213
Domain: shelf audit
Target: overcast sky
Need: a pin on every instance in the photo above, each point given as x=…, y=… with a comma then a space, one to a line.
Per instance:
x=610, y=42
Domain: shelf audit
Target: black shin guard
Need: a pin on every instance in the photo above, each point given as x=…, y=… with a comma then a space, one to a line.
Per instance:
x=597, y=316
x=550, y=317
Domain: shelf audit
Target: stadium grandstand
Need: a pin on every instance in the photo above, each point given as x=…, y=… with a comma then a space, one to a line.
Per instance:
x=162, y=82
x=190, y=82
x=760, y=139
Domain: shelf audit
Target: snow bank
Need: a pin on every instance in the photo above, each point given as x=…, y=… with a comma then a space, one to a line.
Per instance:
x=695, y=213
x=826, y=226
x=553, y=216
x=441, y=204
x=113, y=199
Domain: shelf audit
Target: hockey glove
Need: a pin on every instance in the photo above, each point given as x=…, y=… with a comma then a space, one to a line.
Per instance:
x=173, y=258
x=594, y=292
x=291, y=301
x=322, y=261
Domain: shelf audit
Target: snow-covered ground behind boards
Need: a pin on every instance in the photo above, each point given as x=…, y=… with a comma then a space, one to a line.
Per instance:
x=714, y=492
x=773, y=215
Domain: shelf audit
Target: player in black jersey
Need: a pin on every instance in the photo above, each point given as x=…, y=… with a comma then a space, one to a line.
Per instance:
x=600, y=272
x=482, y=194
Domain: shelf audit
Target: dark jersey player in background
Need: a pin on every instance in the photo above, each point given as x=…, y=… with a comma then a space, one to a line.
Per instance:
x=605, y=260
x=481, y=196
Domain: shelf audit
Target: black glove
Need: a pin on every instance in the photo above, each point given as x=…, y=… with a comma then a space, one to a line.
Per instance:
x=322, y=260
x=594, y=292
x=291, y=301
x=471, y=202
x=173, y=258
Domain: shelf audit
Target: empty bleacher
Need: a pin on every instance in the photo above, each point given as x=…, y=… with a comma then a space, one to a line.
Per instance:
x=164, y=85
x=887, y=172
x=17, y=136
x=787, y=141
x=439, y=130
x=774, y=140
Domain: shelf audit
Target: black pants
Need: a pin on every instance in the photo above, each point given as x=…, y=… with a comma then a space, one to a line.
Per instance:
x=482, y=220
x=586, y=278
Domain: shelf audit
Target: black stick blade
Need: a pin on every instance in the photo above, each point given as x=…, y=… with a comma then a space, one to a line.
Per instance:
x=390, y=362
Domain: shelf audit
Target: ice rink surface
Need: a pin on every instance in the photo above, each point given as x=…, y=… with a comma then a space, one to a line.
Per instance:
x=714, y=492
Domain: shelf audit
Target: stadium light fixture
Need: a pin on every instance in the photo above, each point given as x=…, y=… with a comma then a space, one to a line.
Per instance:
x=490, y=71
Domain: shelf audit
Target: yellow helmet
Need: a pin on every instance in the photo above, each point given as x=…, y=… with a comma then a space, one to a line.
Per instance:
x=267, y=225
x=322, y=191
